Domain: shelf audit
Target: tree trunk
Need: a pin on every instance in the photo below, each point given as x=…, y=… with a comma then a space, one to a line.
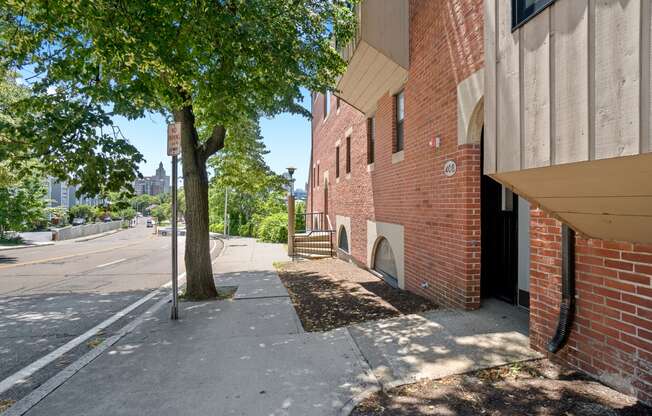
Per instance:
x=199, y=270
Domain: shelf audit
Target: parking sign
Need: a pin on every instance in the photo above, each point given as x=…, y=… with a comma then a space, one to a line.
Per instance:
x=174, y=139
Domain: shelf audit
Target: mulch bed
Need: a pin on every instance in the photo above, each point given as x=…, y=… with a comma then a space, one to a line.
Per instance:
x=331, y=293
x=532, y=388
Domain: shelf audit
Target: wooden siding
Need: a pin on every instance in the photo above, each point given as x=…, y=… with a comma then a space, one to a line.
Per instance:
x=572, y=84
x=565, y=92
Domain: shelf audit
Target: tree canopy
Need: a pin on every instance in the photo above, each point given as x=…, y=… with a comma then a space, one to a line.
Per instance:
x=208, y=64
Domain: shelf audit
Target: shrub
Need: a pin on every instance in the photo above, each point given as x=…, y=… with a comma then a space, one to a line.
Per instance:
x=216, y=228
x=244, y=230
x=273, y=228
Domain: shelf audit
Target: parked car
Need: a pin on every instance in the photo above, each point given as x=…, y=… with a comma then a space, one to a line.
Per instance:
x=150, y=223
x=107, y=219
x=78, y=221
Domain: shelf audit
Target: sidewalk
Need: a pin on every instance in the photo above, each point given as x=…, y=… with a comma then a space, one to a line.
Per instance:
x=250, y=356
x=246, y=356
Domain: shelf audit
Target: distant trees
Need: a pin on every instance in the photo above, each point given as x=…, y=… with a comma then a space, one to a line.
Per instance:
x=256, y=194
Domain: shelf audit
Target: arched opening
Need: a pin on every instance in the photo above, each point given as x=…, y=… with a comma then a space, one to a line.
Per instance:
x=343, y=240
x=384, y=262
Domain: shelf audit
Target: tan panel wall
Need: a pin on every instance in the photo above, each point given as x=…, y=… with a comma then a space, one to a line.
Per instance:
x=570, y=53
x=385, y=26
x=535, y=84
x=490, y=87
x=572, y=84
x=508, y=105
x=617, y=77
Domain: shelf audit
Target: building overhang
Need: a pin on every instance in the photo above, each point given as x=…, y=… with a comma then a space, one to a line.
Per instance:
x=609, y=199
x=378, y=56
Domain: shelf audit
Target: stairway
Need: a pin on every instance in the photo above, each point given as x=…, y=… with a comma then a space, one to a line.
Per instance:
x=313, y=244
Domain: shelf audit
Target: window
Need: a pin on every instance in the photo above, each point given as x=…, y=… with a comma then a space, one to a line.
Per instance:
x=314, y=176
x=343, y=240
x=384, y=262
x=400, y=116
x=317, y=174
x=337, y=161
x=337, y=103
x=524, y=10
x=327, y=103
x=370, y=139
x=348, y=154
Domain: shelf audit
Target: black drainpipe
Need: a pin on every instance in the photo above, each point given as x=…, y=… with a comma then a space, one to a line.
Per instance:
x=567, y=306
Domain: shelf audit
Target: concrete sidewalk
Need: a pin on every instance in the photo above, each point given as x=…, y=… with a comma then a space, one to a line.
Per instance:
x=250, y=355
x=246, y=356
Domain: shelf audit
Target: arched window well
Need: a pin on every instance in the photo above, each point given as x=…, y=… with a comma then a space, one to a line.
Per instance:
x=384, y=262
x=343, y=240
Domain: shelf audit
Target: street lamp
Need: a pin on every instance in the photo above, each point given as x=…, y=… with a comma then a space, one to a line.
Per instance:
x=291, y=170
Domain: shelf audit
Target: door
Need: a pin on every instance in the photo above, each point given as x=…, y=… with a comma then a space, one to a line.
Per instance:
x=499, y=239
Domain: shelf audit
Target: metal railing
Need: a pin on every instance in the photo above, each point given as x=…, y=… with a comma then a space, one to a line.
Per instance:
x=313, y=236
x=311, y=221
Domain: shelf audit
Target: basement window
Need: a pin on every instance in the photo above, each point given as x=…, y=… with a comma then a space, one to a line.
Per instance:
x=525, y=10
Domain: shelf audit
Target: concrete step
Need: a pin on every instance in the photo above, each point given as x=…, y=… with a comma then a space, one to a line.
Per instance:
x=312, y=238
x=318, y=251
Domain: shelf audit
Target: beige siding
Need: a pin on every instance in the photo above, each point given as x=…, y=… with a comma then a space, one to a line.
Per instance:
x=617, y=76
x=507, y=87
x=490, y=87
x=535, y=58
x=571, y=81
x=573, y=103
x=570, y=85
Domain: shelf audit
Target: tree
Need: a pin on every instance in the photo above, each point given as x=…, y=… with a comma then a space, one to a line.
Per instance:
x=86, y=212
x=244, y=151
x=209, y=64
x=71, y=139
x=22, y=203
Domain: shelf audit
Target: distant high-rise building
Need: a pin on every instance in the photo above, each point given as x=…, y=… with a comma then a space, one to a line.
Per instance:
x=61, y=194
x=153, y=185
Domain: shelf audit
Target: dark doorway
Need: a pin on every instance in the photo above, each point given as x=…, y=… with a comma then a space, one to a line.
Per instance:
x=499, y=227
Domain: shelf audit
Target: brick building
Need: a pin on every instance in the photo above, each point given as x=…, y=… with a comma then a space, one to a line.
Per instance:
x=432, y=175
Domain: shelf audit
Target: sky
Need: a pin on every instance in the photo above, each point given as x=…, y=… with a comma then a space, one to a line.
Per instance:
x=286, y=136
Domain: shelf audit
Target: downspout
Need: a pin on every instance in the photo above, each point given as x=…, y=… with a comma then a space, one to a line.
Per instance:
x=567, y=306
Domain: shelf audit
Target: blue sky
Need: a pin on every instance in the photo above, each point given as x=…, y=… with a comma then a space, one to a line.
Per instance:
x=286, y=136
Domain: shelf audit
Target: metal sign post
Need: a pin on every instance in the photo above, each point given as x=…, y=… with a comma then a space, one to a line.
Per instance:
x=174, y=148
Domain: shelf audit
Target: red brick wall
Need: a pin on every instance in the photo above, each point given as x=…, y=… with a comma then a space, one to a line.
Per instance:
x=611, y=337
x=350, y=197
x=440, y=215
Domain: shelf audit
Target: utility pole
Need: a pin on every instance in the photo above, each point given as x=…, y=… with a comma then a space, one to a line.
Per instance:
x=226, y=212
x=174, y=148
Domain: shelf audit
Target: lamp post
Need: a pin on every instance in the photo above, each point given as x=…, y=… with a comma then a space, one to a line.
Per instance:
x=291, y=220
x=291, y=170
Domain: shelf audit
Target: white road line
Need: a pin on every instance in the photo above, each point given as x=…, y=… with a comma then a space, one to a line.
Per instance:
x=21, y=375
x=110, y=264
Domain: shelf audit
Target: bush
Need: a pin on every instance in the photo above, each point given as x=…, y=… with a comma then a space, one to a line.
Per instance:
x=273, y=228
x=244, y=230
x=216, y=227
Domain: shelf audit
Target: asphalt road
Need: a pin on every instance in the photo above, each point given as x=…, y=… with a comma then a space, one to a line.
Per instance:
x=50, y=295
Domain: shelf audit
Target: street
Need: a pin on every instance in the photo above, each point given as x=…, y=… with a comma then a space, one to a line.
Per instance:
x=51, y=295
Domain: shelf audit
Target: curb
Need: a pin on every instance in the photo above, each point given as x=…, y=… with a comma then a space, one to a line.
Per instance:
x=25, y=246
x=375, y=384
x=94, y=237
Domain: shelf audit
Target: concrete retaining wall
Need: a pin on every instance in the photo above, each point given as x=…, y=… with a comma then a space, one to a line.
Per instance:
x=69, y=232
